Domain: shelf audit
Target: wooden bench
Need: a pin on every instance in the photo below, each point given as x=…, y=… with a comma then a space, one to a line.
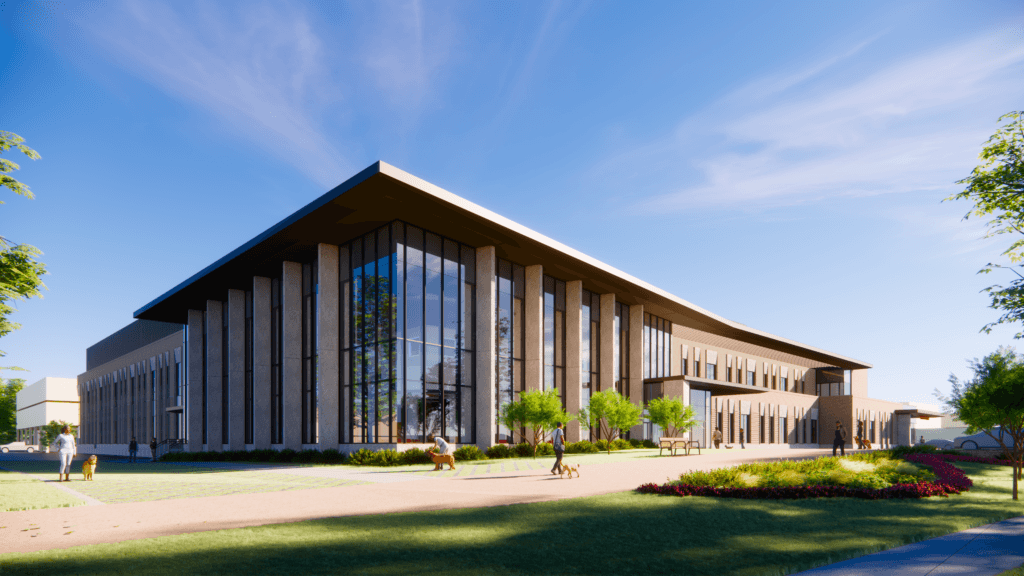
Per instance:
x=673, y=444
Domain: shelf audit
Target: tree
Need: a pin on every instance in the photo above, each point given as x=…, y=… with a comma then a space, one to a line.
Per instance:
x=53, y=429
x=9, y=389
x=996, y=186
x=610, y=413
x=537, y=411
x=19, y=270
x=672, y=415
x=994, y=398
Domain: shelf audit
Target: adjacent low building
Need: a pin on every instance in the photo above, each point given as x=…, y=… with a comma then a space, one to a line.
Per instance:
x=389, y=311
x=47, y=400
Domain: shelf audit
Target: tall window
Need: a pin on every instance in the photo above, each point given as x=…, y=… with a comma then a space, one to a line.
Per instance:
x=309, y=356
x=554, y=335
x=751, y=378
x=410, y=294
x=620, y=367
x=711, y=369
x=248, y=368
x=509, y=337
x=785, y=382
x=783, y=429
x=276, y=374
x=590, y=344
x=657, y=346
x=225, y=396
x=745, y=427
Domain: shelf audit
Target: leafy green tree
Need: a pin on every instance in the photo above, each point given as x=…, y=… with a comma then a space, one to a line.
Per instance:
x=19, y=270
x=996, y=186
x=9, y=389
x=52, y=430
x=609, y=413
x=994, y=398
x=672, y=415
x=537, y=411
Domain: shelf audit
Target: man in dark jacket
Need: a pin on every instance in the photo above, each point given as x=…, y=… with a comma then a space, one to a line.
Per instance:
x=133, y=450
x=152, y=448
x=840, y=439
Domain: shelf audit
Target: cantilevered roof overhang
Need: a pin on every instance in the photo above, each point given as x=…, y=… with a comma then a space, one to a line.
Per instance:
x=382, y=193
x=716, y=387
x=918, y=413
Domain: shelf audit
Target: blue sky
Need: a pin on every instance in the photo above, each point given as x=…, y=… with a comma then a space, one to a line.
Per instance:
x=781, y=164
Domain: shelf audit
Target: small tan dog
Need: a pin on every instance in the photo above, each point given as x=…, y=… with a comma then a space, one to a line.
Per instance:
x=570, y=468
x=89, y=466
x=442, y=459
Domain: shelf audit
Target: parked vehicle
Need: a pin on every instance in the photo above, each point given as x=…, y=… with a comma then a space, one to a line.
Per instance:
x=17, y=446
x=941, y=444
x=983, y=440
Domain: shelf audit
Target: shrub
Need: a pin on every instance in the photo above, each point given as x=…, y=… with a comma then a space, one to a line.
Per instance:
x=649, y=444
x=499, y=451
x=635, y=443
x=332, y=456
x=581, y=447
x=414, y=456
x=790, y=478
x=523, y=450
x=361, y=457
x=903, y=451
x=307, y=456
x=545, y=449
x=602, y=445
x=470, y=452
x=620, y=444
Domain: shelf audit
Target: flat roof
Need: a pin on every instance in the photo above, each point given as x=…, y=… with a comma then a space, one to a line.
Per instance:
x=382, y=193
x=716, y=387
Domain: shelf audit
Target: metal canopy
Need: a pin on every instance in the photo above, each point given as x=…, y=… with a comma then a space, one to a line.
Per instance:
x=716, y=387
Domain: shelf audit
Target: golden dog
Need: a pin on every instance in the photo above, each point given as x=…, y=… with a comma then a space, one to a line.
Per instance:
x=570, y=468
x=442, y=459
x=89, y=466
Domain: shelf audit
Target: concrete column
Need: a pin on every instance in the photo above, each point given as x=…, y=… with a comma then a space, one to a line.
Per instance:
x=194, y=397
x=261, y=362
x=327, y=346
x=636, y=361
x=291, y=320
x=533, y=339
x=607, y=343
x=859, y=382
x=236, y=369
x=214, y=375
x=486, y=382
x=573, y=361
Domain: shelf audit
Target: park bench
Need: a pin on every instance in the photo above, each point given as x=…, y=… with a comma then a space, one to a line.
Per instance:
x=673, y=444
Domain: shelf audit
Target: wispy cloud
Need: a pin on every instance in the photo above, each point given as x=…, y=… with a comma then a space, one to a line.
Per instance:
x=819, y=133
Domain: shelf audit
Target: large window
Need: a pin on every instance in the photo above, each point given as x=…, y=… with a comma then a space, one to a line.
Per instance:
x=225, y=390
x=711, y=371
x=309, y=356
x=657, y=346
x=276, y=373
x=751, y=378
x=620, y=348
x=554, y=335
x=701, y=402
x=410, y=295
x=248, y=368
x=509, y=338
x=590, y=345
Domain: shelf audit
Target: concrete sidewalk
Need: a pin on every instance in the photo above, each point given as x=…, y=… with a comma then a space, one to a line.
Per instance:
x=983, y=551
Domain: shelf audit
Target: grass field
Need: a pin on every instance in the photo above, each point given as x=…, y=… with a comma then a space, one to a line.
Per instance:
x=623, y=533
x=117, y=483
x=20, y=492
x=1018, y=571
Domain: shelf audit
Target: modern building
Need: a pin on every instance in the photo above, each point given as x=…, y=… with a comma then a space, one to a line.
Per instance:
x=48, y=400
x=389, y=310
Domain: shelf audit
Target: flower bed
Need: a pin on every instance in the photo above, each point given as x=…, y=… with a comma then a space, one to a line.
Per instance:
x=948, y=480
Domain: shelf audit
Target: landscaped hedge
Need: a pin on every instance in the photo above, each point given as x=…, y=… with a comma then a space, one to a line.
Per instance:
x=948, y=480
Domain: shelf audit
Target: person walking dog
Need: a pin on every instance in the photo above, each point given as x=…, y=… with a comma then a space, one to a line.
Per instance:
x=558, y=441
x=67, y=450
x=840, y=439
x=133, y=450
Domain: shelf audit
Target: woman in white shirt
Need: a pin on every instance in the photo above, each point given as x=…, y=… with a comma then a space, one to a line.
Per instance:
x=67, y=450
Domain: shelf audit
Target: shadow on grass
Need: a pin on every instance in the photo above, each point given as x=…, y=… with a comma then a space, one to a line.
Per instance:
x=624, y=533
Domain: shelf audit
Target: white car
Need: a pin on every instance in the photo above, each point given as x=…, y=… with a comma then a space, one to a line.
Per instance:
x=17, y=446
x=941, y=444
x=983, y=440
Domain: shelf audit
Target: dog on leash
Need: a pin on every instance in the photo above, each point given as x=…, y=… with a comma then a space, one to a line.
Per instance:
x=570, y=468
x=442, y=459
x=89, y=466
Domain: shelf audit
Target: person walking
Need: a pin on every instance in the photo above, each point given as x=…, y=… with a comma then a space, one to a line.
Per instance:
x=743, y=434
x=67, y=450
x=442, y=446
x=716, y=437
x=840, y=439
x=558, y=441
x=133, y=450
x=152, y=449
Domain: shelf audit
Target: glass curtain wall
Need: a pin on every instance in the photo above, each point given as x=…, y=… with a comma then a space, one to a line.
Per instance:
x=248, y=336
x=701, y=402
x=620, y=367
x=590, y=344
x=509, y=337
x=554, y=336
x=225, y=364
x=657, y=346
x=276, y=372
x=410, y=296
x=309, y=357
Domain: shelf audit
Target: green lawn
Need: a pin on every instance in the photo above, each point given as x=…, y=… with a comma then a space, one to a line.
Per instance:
x=20, y=492
x=116, y=482
x=1018, y=571
x=623, y=533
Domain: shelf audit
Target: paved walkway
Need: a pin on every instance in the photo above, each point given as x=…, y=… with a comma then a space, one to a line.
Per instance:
x=982, y=551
